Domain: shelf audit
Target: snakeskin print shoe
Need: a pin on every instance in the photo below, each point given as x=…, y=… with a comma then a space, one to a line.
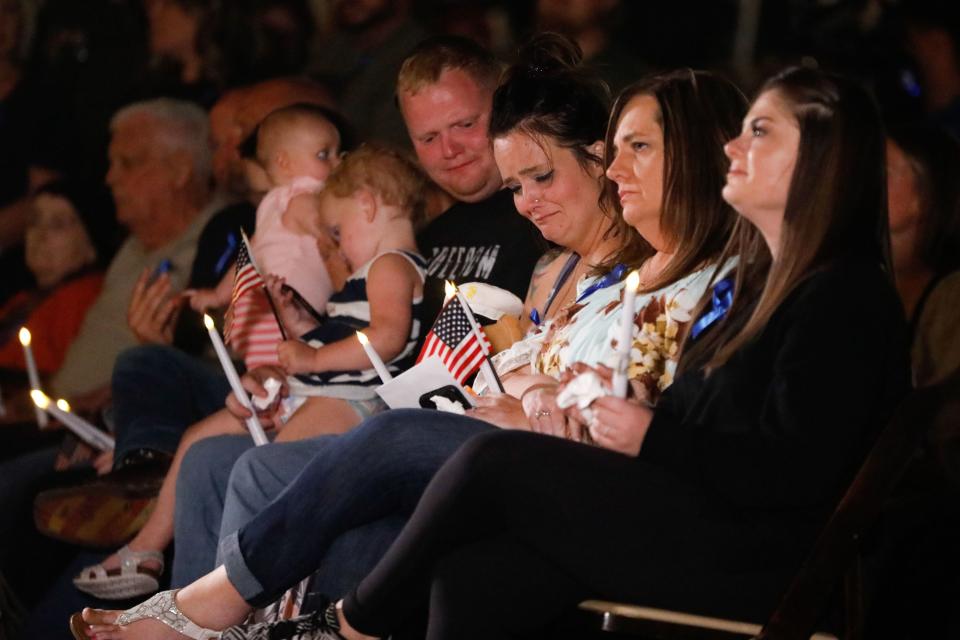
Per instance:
x=161, y=607
x=319, y=625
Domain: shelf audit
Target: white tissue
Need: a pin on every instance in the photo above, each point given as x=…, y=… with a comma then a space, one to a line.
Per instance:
x=272, y=385
x=446, y=404
x=581, y=391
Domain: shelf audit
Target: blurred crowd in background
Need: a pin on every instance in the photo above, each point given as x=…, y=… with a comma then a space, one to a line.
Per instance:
x=66, y=66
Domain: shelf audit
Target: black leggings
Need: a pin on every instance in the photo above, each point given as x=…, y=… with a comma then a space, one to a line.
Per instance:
x=517, y=528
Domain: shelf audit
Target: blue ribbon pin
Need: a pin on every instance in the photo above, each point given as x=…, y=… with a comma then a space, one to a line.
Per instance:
x=720, y=303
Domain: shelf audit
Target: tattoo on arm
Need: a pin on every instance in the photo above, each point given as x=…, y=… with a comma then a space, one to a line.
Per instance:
x=539, y=269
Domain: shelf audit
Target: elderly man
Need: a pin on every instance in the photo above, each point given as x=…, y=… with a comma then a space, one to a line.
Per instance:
x=444, y=90
x=160, y=179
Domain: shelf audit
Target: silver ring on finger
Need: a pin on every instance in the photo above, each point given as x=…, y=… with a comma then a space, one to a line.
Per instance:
x=542, y=413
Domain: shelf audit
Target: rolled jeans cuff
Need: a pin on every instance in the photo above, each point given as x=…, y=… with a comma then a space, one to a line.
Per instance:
x=238, y=572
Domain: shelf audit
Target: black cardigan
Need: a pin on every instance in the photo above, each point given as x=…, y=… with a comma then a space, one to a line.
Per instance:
x=776, y=434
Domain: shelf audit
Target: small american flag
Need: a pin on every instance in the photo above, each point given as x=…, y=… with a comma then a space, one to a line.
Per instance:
x=246, y=279
x=453, y=341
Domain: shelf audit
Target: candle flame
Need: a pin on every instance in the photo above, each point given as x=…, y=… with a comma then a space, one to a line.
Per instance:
x=24, y=336
x=208, y=322
x=39, y=398
x=362, y=337
x=63, y=405
x=633, y=280
x=449, y=289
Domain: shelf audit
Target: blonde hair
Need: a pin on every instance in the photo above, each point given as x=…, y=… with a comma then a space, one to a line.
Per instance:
x=428, y=60
x=389, y=174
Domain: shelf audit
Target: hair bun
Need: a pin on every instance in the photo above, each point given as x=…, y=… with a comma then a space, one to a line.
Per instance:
x=548, y=54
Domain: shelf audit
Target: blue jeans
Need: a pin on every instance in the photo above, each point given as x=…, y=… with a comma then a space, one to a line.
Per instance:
x=261, y=474
x=201, y=490
x=225, y=482
x=158, y=392
x=351, y=557
x=372, y=474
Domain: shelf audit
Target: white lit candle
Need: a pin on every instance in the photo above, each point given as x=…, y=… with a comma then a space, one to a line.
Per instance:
x=449, y=290
x=493, y=382
x=625, y=339
x=253, y=424
x=374, y=357
x=32, y=374
x=83, y=429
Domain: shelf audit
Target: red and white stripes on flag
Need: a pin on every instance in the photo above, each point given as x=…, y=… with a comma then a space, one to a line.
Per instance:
x=453, y=340
x=250, y=326
x=245, y=279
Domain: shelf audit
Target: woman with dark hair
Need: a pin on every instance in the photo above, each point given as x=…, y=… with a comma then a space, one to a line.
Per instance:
x=547, y=127
x=710, y=501
x=923, y=192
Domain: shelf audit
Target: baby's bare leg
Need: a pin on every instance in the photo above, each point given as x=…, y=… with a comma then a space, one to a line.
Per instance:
x=317, y=416
x=157, y=531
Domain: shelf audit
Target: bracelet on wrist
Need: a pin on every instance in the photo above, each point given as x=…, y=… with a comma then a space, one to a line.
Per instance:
x=537, y=387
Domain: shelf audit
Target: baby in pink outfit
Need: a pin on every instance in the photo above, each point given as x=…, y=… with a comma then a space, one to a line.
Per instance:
x=297, y=147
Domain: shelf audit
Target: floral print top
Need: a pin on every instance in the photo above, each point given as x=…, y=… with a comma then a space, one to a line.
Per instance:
x=588, y=331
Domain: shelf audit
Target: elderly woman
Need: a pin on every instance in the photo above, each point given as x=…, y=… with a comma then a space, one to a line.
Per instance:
x=70, y=236
x=547, y=126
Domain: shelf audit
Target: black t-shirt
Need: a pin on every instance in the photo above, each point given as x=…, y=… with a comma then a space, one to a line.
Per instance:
x=484, y=241
x=216, y=250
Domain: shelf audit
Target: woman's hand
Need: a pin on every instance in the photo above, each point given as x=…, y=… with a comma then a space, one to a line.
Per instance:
x=544, y=416
x=500, y=409
x=296, y=356
x=253, y=382
x=614, y=423
x=619, y=425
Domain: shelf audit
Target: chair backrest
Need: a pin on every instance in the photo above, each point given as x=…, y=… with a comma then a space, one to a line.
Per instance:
x=806, y=599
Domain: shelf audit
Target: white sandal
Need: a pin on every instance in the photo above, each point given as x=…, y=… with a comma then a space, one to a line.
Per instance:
x=129, y=581
x=161, y=607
